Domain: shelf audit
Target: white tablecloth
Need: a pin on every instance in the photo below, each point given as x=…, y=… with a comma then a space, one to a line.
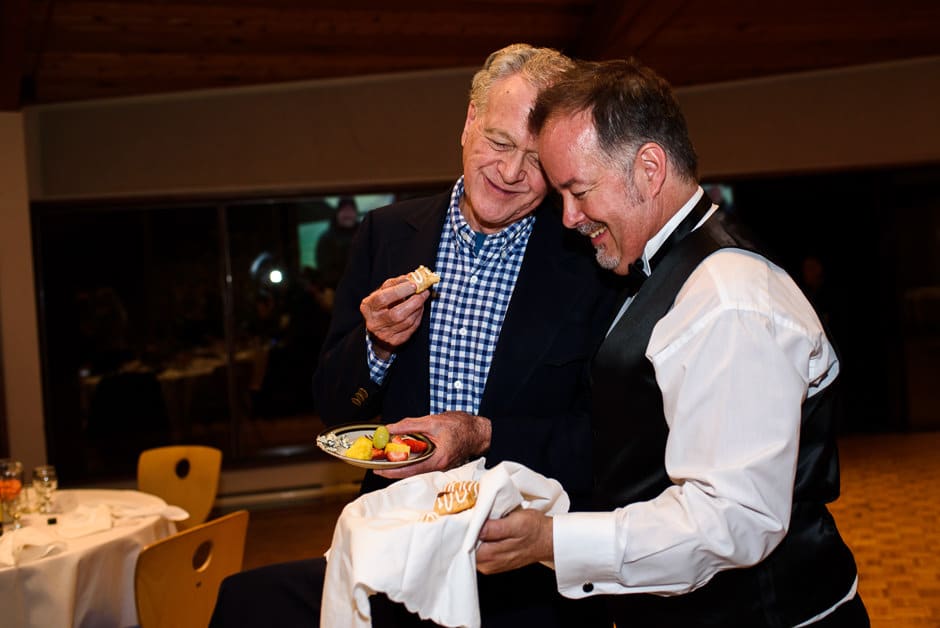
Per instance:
x=89, y=583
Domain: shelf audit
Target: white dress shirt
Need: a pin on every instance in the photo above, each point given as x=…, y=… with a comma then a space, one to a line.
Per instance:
x=735, y=358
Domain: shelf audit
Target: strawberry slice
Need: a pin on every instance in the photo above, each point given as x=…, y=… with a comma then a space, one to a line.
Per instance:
x=417, y=446
x=396, y=452
x=378, y=454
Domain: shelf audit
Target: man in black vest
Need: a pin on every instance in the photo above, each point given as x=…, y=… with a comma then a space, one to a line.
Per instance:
x=714, y=392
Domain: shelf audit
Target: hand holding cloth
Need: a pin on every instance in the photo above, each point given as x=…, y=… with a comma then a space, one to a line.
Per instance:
x=381, y=544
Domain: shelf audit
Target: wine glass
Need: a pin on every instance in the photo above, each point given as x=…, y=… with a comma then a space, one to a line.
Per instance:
x=45, y=483
x=11, y=487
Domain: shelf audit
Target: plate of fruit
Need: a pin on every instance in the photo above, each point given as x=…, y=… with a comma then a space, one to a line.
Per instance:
x=369, y=445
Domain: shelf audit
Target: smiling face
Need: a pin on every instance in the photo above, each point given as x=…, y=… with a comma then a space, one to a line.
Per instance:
x=503, y=181
x=602, y=201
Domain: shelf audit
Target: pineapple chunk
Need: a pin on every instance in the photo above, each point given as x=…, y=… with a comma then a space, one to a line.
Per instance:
x=361, y=449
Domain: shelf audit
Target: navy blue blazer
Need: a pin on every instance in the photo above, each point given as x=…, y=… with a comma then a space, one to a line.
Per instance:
x=536, y=394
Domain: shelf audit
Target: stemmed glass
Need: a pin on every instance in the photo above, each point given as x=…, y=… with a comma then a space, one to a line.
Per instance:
x=45, y=483
x=11, y=486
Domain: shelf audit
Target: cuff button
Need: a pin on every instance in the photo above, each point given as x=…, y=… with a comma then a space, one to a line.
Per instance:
x=587, y=587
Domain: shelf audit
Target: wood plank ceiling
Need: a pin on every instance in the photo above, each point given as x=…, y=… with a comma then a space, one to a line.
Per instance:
x=67, y=50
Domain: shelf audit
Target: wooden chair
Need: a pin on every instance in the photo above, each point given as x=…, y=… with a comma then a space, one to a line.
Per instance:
x=177, y=579
x=183, y=475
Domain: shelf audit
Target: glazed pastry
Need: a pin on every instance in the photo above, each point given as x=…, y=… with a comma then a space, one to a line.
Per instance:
x=423, y=278
x=456, y=497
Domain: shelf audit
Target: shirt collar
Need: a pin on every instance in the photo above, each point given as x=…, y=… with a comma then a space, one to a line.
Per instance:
x=465, y=236
x=654, y=243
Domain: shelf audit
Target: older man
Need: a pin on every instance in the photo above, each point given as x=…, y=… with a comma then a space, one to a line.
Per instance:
x=491, y=363
x=714, y=393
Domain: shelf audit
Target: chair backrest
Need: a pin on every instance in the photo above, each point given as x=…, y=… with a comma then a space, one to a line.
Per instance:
x=183, y=475
x=177, y=579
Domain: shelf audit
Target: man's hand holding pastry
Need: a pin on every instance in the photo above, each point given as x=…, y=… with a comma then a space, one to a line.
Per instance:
x=393, y=312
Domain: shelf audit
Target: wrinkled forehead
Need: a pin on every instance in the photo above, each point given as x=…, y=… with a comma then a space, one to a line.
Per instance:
x=514, y=92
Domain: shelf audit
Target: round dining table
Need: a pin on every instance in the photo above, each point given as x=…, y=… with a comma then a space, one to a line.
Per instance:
x=79, y=569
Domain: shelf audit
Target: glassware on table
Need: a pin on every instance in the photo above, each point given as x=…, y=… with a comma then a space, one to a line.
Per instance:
x=11, y=492
x=45, y=483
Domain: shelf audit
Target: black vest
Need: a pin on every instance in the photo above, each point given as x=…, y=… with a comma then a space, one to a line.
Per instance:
x=811, y=569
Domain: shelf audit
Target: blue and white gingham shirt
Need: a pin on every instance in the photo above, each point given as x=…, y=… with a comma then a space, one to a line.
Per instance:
x=478, y=274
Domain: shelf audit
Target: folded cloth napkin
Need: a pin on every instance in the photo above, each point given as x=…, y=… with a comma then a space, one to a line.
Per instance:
x=171, y=513
x=84, y=520
x=26, y=544
x=381, y=544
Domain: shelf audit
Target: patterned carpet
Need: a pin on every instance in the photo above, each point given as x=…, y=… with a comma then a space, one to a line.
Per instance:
x=889, y=514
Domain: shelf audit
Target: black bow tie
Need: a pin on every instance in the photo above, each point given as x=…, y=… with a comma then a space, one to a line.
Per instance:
x=636, y=276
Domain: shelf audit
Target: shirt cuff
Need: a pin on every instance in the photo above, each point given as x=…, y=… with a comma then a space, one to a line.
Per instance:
x=586, y=558
x=378, y=367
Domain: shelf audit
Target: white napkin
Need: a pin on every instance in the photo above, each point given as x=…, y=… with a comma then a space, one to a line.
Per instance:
x=84, y=520
x=26, y=544
x=380, y=544
x=171, y=513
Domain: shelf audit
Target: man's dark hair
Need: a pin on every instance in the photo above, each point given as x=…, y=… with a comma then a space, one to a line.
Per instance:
x=630, y=105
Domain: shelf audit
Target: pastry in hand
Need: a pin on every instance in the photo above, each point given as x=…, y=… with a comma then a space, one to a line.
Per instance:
x=423, y=278
x=457, y=497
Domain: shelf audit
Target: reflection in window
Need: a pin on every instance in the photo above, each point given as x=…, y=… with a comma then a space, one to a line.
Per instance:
x=186, y=324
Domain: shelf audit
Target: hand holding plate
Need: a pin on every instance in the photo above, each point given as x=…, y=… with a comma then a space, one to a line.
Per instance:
x=457, y=437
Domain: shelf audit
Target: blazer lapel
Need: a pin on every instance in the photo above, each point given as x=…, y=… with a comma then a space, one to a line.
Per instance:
x=414, y=245
x=527, y=331
x=417, y=241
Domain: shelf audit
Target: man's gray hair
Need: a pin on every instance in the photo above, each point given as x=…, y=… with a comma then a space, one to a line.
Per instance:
x=540, y=66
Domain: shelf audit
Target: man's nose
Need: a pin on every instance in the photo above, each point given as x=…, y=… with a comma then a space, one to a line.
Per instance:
x=571, y=216
x=512, y=167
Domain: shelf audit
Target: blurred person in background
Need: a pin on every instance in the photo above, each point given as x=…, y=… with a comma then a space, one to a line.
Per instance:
x=334, y=244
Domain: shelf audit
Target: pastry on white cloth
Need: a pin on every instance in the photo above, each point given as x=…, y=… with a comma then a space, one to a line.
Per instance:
x=456, y=497
x=383, y=544
x=26, y=544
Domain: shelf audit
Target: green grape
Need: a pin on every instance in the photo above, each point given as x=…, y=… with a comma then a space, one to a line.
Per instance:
x=380, y=438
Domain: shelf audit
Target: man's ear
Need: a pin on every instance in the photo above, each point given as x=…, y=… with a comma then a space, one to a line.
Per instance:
x=471, y=116
x=649, y=168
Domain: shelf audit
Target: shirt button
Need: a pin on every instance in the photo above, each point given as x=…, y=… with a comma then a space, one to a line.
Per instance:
x=462, y=331
x=473, y=279
x=458, y=385
x=587, y=587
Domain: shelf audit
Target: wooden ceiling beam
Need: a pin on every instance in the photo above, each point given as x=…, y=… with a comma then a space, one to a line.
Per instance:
x=294, y=41
x=14, y=16
x=136, y=66
x=67, y=76
x=619, y=29
x=104, y=18
x=102, y=48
